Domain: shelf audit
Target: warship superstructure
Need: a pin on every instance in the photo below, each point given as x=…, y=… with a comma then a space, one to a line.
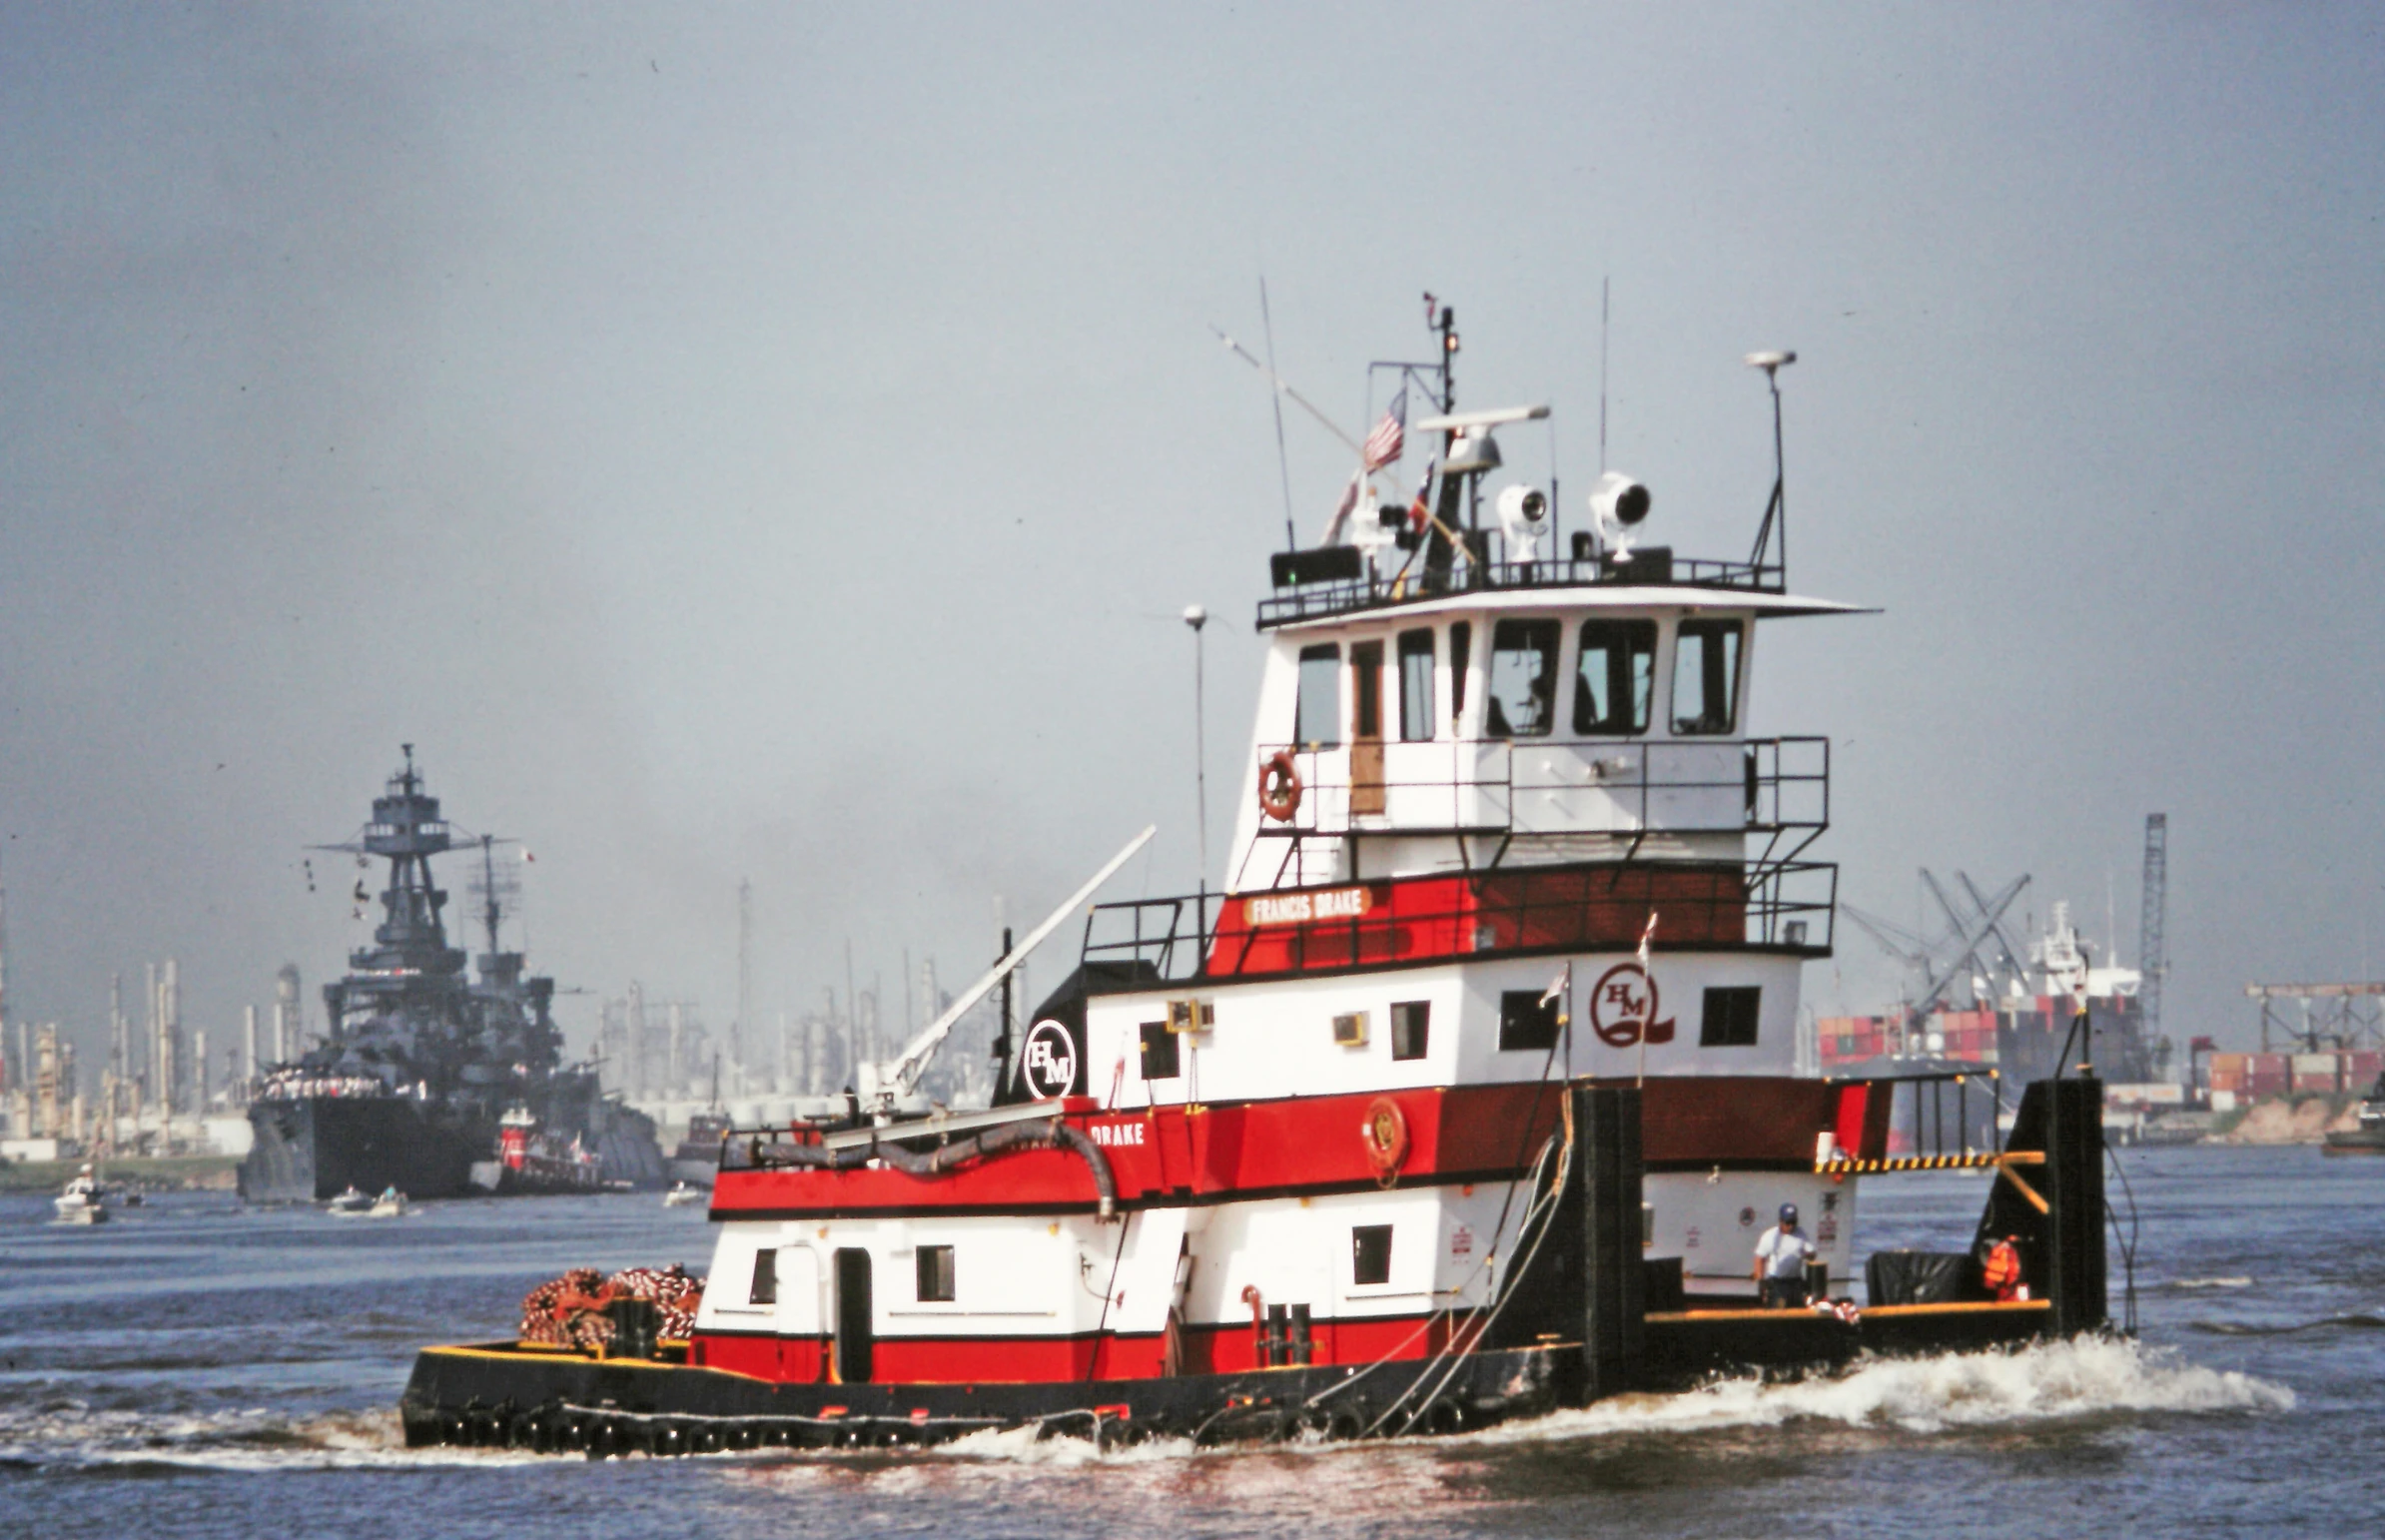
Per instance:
x=429, y=1080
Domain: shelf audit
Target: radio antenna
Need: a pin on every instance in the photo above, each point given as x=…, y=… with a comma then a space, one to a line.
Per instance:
x=1291, y=539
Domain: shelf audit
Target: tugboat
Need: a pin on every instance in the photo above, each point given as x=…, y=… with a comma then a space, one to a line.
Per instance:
x=1461, y=1101
x=2368, y=1137
x=424, y=1065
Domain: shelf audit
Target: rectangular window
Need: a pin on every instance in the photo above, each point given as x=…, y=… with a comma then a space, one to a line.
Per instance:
x=1366, y=689
x=1705, y=676
x=1411, y=1028
x=1731, y=1017
x=765, y=1284
x=1614, y=683
x=1159, y=1053
x=1461, y=654
x=1370, y=1253
x=934, y=1274
x=1317, y=719
x=1415, y=686
x=1524, y=1023
x=1523, y=679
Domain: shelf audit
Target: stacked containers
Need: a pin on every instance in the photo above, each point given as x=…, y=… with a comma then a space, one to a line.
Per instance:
x=2316, y=1072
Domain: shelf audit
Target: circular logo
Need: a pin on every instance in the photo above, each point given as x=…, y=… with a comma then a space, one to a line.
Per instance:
x=1050, y=1066
x=1623, y=1001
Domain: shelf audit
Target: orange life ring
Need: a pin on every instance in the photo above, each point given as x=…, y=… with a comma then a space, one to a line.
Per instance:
x=1280, y=787
x=1384, y=1134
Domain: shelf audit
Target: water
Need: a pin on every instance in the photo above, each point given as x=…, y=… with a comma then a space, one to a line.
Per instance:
x=195, y=1369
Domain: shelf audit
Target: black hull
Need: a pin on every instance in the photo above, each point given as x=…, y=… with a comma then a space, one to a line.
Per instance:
x=306, y=1152
x=311, y=1150
x=559, y=1402
x=565, y=1404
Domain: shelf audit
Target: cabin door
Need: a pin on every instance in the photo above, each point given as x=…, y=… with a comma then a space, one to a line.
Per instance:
x=856, y=1315
x=796, y=1276
x=1366, y=728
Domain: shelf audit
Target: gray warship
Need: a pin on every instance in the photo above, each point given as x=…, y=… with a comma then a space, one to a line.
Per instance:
x=429, y=1080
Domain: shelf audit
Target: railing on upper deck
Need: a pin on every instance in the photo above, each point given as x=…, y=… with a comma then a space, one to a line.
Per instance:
x=1409, y=585
x=1627, y=787
x=1782, y=906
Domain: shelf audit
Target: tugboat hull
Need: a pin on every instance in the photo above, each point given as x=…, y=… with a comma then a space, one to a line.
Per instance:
x=558, y=1401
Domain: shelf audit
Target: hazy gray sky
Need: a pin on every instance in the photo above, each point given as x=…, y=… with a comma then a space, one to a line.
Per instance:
x=776, y=441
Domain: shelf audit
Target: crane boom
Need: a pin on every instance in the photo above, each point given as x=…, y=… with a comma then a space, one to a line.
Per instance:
x=900, y=1076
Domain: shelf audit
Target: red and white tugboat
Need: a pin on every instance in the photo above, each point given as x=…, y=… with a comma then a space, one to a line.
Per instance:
x=1467, y=1097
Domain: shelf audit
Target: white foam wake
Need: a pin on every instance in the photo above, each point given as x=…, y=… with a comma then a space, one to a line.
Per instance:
x=2048, y=1381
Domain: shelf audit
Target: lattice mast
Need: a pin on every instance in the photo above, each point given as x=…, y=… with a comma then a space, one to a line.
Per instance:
x=2154, y=962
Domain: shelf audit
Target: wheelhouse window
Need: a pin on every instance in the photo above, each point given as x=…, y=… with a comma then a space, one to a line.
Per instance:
x=1415, y=686
x=1614, y=684
x=1523, y=679
x=1705, y=676
x=1316, y=720
x=1366, y=689
x=934, y=1274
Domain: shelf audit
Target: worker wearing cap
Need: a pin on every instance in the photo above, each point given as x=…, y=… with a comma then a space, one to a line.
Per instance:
x=1781, y=1253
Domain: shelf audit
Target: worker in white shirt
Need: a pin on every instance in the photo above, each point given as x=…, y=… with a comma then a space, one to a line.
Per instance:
x=1781, y=1253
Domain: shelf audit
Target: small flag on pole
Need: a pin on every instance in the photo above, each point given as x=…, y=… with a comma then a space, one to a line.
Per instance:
x=1556, y=985
x=1383, y=445
x=1654, y=1031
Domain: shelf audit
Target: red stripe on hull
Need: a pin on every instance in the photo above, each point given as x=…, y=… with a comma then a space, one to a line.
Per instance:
x=1175, y=1154
x=1024, y=1360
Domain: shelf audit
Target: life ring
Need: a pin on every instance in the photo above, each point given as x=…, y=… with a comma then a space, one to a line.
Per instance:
x=1384, y=1134
x=1280, y=787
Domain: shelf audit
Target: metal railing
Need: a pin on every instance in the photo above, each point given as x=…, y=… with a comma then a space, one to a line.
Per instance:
x=1781, y=906
x=1314, y=601
x=1525, y=786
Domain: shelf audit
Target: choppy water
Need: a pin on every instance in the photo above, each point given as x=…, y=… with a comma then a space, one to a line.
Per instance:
x=195, y=1369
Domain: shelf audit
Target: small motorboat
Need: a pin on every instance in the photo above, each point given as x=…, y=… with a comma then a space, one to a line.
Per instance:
x=682, y=1193
x=391, y=1205
x=2367, y=1137
x=84, y=1201
x=350, y=1202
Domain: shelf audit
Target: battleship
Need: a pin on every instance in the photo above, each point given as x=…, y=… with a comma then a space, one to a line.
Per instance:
x=430, y=1082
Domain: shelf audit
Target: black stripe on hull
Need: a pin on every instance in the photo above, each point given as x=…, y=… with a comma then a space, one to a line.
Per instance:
x=567, y=1405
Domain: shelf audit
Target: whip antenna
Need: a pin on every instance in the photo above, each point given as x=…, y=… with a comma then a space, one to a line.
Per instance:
x=1291, y=539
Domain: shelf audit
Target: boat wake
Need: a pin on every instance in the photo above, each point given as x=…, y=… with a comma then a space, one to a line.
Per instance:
x=72, y=1436
x=2045, y=1384
x=2052, y=1381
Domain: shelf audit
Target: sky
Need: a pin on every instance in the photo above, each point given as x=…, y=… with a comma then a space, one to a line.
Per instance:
x=777, y=443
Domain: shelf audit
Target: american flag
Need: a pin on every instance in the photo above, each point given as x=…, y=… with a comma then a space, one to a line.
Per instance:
x=1383, y=445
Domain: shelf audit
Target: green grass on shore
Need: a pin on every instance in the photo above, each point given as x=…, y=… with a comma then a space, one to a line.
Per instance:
x=152, y=1174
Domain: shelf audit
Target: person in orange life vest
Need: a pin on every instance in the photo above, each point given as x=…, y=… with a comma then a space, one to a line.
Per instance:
x=2003, y=1271
x=1781, y=1253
